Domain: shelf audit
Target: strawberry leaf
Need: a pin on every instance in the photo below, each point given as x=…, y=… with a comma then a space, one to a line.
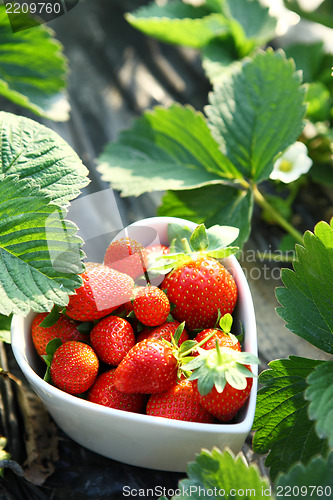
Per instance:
x=283, y=428
x=320, y=395
x=51, y=318
x=212, y=204
x=314, y=480
x=176, y=232
x=164, y=149
x=226, y=475
x=248, y=109
x=85, y=327
x=32, y=151
x=179, y=23
x=5, y=323
x=226, y=323
x=251, y=24
x=35, y=83
x=199, y=238
x=179, y=330
x=40, y=253
x=220, y=237
x=50, y=349
x=306, y=297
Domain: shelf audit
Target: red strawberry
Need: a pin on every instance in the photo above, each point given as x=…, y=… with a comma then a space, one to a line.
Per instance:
x=150, y=305
x=64, y=329
x=149, y=367
x=222, y=380
x=74, y=367
x=111, y=339
x=179, y=403
x=103, y=392
x=224, y=406
x=127, y=256
x=103, y=290
x=163, y=332
x=199, y=289
x=223, y=339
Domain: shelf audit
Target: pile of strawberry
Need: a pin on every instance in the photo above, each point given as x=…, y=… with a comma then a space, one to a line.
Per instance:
x=166, y=350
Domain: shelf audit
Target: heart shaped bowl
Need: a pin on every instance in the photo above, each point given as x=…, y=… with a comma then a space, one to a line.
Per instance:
x=138, y=439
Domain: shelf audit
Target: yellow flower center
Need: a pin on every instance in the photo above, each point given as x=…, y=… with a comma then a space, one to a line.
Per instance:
x=286, y=166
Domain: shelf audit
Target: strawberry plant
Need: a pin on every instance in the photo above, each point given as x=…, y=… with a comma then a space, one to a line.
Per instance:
x=216, y=165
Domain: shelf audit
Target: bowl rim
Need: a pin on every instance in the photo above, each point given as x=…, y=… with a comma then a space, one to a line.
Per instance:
x=20, y=323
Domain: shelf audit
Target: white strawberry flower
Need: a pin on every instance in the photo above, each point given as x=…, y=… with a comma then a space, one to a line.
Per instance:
x=292, y=163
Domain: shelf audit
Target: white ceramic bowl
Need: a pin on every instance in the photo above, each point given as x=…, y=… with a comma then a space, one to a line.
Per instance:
x=136, y=439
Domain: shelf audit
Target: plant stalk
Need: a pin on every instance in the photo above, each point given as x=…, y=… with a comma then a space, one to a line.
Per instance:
x=263, y=203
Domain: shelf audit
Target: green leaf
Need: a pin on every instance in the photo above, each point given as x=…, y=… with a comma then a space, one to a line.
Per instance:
x=217, y=475
x=219, y=58
x=282, y=424
x=226, y=323
x=50, y=349
x=33, y=151
x=40, y=254
x=312, y=482
x=199, y=238
x=257, y=112
x=165, y=149
x=178, y=23
x=51, y=318
x=213, y=204
x=176, y=232
x=5, y=322
x=252, y=25
x=321, y=14
x=219, y=238
x=319, y=102
x=320, y=395
x=33, y=69
x=307, y=58
x=307, y=295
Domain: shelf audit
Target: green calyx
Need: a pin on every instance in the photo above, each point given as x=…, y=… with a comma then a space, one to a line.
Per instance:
x=217, y=367
x=186, y=245
x=214, y=367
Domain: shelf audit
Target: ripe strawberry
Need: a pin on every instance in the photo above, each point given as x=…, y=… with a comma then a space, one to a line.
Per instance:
x=104, y=392
x=64, y=329
x=149, y=367
x=111, y=339
x=224, y=406
x=150, y=305
x=222, y=380
x=179, y=403
x=163, y=331
x=74, y=367
x=224, y=340
x=199, y=289
x=103, y=290
x=127, y=256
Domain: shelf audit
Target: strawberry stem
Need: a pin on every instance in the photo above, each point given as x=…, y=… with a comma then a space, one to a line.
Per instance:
x=186, y=245
x=199, y=344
